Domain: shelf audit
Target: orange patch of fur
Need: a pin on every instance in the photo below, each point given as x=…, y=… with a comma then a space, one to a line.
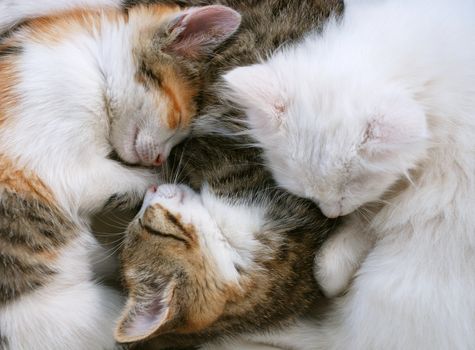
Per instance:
x=180, y=95
x=24, y=182
x=56, y=28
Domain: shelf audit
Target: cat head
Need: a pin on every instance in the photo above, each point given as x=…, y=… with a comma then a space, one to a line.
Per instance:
x=341, y=140
x=194, y=265
x=150, y=93
x=179, y=268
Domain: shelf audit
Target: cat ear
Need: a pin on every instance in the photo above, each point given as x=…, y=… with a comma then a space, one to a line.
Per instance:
x=145, y=316
x=199, y=30
x=400, y=125
x=258, y=90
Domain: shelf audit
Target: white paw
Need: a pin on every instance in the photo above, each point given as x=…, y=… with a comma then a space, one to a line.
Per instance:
x=333, y=273
x=340, y=258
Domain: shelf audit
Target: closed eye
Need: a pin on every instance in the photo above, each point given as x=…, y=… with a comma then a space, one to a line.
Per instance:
x=150, y=75
x=154, y=232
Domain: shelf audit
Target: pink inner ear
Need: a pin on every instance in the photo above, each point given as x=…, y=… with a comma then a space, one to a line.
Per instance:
x=143, y=317
x=147, y=320
x=202, y=29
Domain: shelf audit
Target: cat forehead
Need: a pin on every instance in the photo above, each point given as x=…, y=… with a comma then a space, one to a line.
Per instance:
x=151, y=16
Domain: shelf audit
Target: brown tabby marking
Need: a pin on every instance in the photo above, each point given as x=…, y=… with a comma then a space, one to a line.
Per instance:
x=167, y=222
x=32, y=234
x=176, y=87
x=32, y=230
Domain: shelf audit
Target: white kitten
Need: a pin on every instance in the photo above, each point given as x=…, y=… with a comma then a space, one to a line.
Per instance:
x=381, y=107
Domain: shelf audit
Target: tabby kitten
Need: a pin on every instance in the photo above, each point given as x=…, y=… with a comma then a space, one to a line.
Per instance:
x=75, y=87
x=202, y=265
x=274, y=286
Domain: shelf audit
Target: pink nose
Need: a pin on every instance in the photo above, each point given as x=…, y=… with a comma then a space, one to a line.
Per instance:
x=159, y=160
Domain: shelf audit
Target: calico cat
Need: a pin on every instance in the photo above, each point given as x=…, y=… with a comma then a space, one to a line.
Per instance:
x=380, y=109
x=258, y=244
x=75, y=87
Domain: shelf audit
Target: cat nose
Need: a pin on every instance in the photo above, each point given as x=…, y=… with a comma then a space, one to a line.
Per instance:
x=159, y=160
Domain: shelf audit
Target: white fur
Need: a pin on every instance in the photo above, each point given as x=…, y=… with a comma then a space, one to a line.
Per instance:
x=72, y=312
x=301, y=335
x=385, y=95
x=341, y=256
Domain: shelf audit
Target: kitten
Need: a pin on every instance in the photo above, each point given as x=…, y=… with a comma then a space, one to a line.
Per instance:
x=232, y=172
x=381, y=108
x=75, y=87
x=203, y=265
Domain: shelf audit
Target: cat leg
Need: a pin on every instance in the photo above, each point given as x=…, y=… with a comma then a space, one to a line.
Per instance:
x=341, y=255
x=78, y=317
x=15, y=11
x=114, y=185
x=70, y=312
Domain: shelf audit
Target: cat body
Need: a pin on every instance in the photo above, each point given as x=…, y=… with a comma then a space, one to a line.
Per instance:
x=380, y=109
x=269, y=284
x=76, y=87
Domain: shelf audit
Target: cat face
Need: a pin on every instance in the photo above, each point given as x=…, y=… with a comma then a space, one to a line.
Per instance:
x=179, y=267
x=199, y=265
x=150, y=91
x=339, y=142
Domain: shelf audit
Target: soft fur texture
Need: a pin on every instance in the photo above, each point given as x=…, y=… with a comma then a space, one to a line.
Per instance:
x=13, y=12
x=381, y=108
x=234, y=172
x=200, y=266
x=74, y=88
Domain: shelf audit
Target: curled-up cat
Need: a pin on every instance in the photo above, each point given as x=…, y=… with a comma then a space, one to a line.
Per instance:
x=380, y=108
x=248, y=234
x=75, y=87
x=200, y=266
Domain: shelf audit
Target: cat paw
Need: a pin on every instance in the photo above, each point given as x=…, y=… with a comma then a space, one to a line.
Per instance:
x=340, y=257
x=333, y=273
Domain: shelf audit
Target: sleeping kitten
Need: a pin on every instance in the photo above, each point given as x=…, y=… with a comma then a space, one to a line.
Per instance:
x=202, y=265
x=73, y=88
x=381, y=108
x=232, y=173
